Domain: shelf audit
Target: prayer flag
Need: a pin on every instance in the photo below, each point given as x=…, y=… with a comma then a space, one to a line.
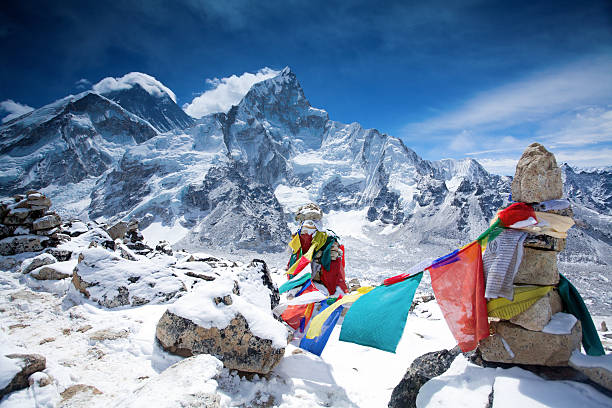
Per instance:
x=458, y=285
x=317, y=344
x=378, y=318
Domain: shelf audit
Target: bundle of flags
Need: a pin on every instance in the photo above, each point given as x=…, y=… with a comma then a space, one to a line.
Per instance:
x=378, y=315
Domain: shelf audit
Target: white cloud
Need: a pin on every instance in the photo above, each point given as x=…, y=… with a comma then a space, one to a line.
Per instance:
x=225, y=92
x=82, y=83
x=14, y=109
x=581, y=127
x=529, y=100
x=504, y=166
x=462, y=142
x=147, y=82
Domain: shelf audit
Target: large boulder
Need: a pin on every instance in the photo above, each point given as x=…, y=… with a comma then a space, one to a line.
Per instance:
x=537, y=177
x=118, y=230
x=47, y=222
x=22, y=366
x=112, y=281
x=214, y=319
x=56, y=271
x=516, y=345
x=422, y=369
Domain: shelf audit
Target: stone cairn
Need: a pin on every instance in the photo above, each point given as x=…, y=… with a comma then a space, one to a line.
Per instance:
x=27, y=225
x=521, y=339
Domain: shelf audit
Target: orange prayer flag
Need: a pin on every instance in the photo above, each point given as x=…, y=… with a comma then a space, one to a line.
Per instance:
x=459, y=287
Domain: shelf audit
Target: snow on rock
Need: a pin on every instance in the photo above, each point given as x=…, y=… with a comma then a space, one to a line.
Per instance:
x=597, y=368
x=27, y=364
x=198, y=387
x=215, y=319
x=112, y=281
x=560, y=323
x=39, y=260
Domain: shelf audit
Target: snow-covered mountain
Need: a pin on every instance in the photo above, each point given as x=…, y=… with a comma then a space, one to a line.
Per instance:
x=231, y=180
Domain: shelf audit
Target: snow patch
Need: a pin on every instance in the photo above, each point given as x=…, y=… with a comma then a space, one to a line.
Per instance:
x=560, y=323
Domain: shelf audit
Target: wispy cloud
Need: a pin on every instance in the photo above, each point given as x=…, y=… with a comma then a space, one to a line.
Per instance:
x=14, y=109
x=529, y=100
x=568, y=109
x=225, y=92
x=82, y=83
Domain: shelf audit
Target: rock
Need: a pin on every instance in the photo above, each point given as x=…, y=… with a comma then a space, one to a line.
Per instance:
x=40, y=260
x=422, y=369
x=538, y=267
x=49, y=273
x=235, y=345
x=7, y=230
x=537, y=177
x=38, y=200
x=47, y=340
x=79, y=395
x=7, y=263
x=258, y=270
x=544, y=242
x=112, y=281
x=30, y=363
x=47, y=222
x=537, y=316
x=309, y=211
x=529, y=347
x=603, y=327
x=132, y=226
x=594, y=367
x=17, y=216
x=108, y=334
x=164, y=247
x=85, y=328
x=118, y=230
x=61, y=255
x=40, y=379
x=126, y=253
x=353, y=284
x=22, y=243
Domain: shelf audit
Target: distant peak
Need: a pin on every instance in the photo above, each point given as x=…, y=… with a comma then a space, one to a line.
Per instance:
x=146, y=82
x=286, y=71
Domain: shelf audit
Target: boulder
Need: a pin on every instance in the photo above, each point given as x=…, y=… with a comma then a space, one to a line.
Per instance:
x=422, y=369
x=39, y=260
x=60, y=254
x=22, y=243
x=258, y=273
x=18, y=216
x=537, y=177
x=164, y=247
x=112, y=281
x=538, y=267
x=79, y=395
x=235, y=345
x=538, y=316
x=49, y=272
x=29, y=363
x=118, y=230
x=47, y=222
x=516, y=345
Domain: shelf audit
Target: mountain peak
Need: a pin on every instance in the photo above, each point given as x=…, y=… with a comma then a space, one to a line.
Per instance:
x=145, y=81
x=286, y=71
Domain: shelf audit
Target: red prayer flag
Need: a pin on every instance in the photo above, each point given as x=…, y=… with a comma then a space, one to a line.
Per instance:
x=515, y=213
x=459, y=288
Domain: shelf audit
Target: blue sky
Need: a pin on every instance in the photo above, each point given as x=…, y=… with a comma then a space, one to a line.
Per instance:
x=458, y=79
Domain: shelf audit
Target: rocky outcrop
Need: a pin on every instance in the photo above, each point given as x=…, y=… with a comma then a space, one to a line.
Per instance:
x=235, y=345
x=29, y=363
x=422, y=369
x=537, y=177
x=27, y=225
x=40, y=260
x=112, y=281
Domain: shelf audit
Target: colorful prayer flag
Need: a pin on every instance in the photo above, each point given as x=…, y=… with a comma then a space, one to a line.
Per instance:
x=317, y=344
x=458, y=285
x=377, y=319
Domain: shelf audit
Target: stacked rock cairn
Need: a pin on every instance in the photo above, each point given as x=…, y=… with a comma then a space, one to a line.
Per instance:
x=27, y=225
x=521, y=340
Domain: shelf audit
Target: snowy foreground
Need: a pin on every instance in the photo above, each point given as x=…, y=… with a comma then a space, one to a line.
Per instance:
x=114, y=357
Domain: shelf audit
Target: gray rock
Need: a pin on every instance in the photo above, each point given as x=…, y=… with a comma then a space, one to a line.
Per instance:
x=60, y=254
x=422, y=369
x=118, y=230
x=544, y=242
x=30, y=364
x=22, y=243
x=39, y=260
x=49, y=273
x=235, y=345
x=538, y=315
x=47, y=222
x=537, y=177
